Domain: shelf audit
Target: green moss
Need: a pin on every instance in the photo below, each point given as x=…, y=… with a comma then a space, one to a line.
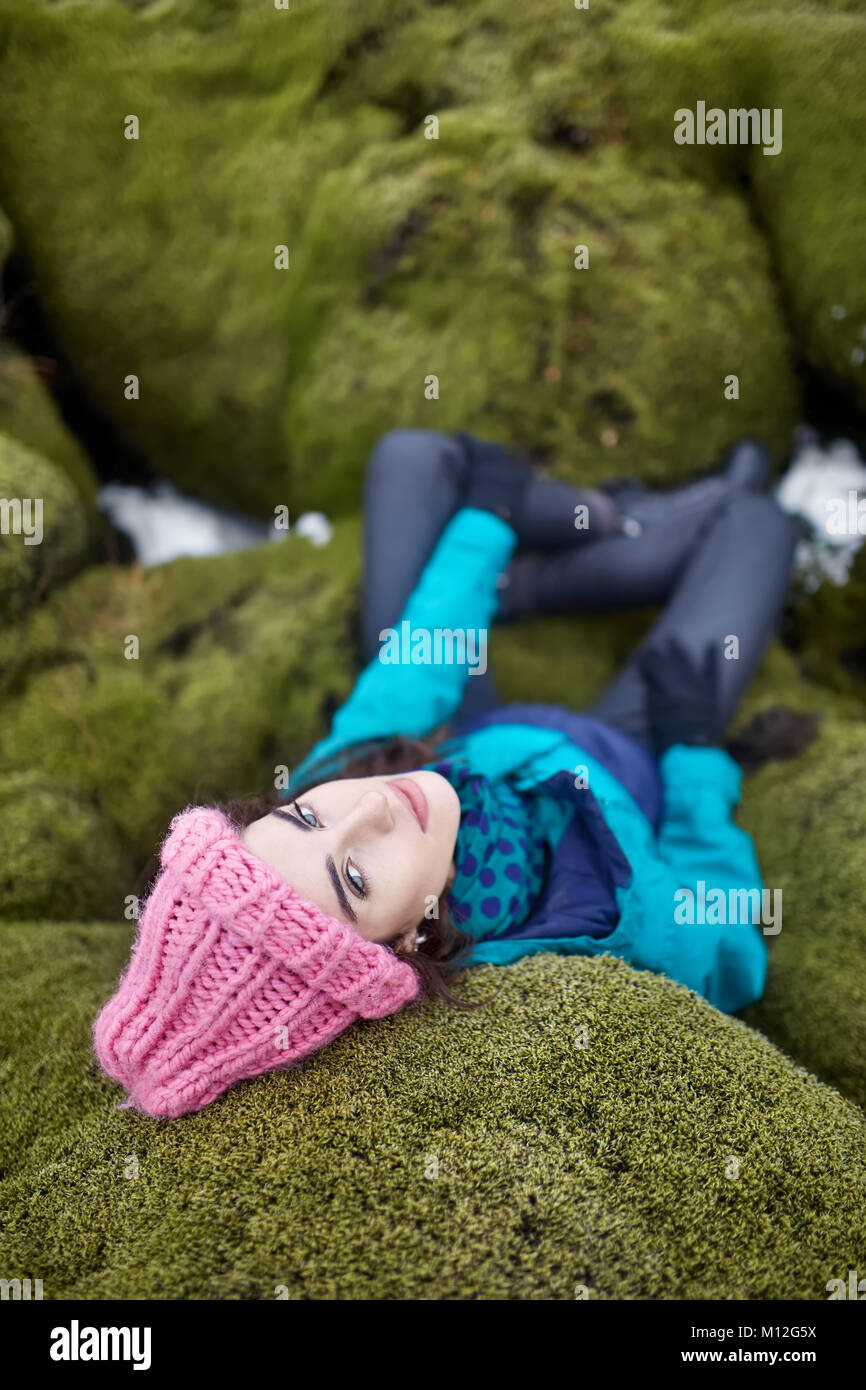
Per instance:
x=236, y=657
x=564, y=660
x=28, y=414
x=808, y=820
x=801, y=58
x=487, y=1155
x=44, y=534
x=59, y=853
x=409, y=257
x=472, y=243
x=602, y=1166
x=178, y=285
x=831, y=629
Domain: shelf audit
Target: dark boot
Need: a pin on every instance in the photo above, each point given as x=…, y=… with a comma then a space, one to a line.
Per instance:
x=657, y=535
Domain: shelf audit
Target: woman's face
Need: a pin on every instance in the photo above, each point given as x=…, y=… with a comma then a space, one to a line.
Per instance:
x=376, y=852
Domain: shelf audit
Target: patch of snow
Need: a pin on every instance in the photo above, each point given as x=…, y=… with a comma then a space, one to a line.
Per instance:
x=315, y=526
x=817, y=486
x=163, y=524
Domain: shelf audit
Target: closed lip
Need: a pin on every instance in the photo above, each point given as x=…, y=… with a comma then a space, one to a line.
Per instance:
x=414, y=797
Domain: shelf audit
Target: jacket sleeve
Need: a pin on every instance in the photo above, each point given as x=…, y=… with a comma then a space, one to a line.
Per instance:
x=457, y=592
x=702, y=850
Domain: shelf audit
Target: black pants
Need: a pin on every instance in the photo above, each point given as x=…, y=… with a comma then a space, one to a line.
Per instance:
x=721, y=568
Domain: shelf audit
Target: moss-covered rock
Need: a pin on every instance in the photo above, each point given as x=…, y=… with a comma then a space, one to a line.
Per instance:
x=27, y=412
x=158, y=254
x=28, y=415
x=59, y=852
x=409, y=257
x=597, y=1133
x=44, y=527
x=808, y=820
x=830, y=628
x=137, y=692
x=597, y=368
x=804, y=60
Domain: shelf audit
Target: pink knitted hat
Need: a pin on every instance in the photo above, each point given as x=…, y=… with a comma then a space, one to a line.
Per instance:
x=233, y=974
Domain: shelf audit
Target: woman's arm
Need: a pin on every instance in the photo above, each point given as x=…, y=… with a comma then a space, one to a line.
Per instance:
x=710, y=887
x=417, y=679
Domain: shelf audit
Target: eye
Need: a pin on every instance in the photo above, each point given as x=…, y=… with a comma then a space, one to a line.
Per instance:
x=355, y=879
x=307, y=815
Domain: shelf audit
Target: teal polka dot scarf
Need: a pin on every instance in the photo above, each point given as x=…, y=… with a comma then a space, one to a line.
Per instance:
x=501, y=862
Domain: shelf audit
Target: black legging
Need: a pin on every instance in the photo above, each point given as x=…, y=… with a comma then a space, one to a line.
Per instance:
x=718, y=557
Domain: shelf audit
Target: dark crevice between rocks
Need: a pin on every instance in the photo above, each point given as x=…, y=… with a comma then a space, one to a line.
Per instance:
x=29, y=327
x=828, y=405
x=853, y=660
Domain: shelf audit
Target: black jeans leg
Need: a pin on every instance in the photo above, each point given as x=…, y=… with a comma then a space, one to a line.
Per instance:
x=412, y=488
x=414, y=483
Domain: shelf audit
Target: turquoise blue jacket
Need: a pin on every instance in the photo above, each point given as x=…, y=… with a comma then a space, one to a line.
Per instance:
x=696, y=842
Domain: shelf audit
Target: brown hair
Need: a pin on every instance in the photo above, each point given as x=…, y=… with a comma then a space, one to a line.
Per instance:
x=445, y=947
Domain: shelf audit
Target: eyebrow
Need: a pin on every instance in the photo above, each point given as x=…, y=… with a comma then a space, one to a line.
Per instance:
x=338, y=889
x=345, y=905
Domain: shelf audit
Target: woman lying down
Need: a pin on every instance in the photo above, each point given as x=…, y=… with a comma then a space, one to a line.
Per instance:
x=434, y=827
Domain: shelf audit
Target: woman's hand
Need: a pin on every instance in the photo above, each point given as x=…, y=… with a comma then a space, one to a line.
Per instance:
x=496, y=481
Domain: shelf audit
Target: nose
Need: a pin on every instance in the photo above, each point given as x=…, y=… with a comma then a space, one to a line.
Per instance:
x=371, y=812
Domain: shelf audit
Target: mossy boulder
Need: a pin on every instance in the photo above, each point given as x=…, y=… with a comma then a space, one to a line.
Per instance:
x=134, y=693
x=27, y=412
x=60, y=853
x=44, y=527
x=28, y=415
x=803, y=60
x=829, y=626
x=409, y=257
x=808, y=820
x=480, y=290
x=596, y=1133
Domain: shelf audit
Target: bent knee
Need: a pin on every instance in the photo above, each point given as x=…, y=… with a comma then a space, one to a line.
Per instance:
x=760, y=514
x=410, y=451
